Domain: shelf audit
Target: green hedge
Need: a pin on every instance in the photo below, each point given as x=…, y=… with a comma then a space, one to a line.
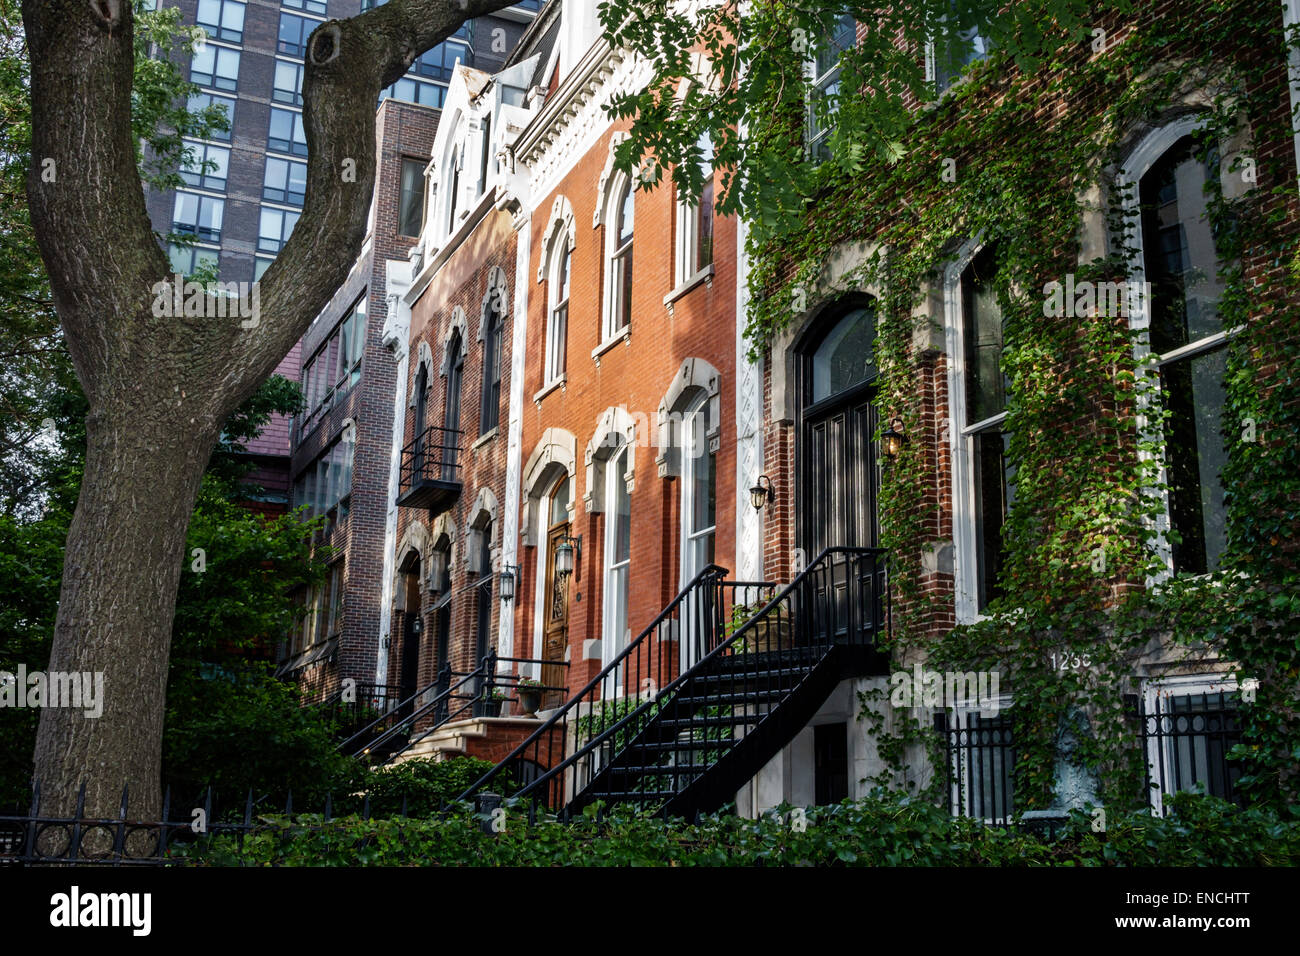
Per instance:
x=885, y=831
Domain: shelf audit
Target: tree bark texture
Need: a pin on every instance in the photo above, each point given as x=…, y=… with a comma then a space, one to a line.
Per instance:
x=160, y=388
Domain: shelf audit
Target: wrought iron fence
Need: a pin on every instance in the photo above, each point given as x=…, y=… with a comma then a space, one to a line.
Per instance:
x=1187, y=739
x=980, y=755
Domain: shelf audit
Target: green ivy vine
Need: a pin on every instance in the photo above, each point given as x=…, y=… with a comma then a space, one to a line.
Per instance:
x=1077, y=540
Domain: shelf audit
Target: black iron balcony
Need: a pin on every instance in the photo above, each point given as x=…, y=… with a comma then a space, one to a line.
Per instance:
x=431, y=470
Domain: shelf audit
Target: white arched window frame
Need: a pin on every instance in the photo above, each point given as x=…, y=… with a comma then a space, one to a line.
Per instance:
x=969, y=433
x=1149, y=152
x=558, y=285
x=694, y=232
x=620, y=219
x=449, y=179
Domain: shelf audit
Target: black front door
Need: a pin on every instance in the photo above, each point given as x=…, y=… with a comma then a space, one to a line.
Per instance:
x=410, y=672
x=839, y=478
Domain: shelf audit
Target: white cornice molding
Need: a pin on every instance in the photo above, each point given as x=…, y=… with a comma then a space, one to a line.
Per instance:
x=574, y=116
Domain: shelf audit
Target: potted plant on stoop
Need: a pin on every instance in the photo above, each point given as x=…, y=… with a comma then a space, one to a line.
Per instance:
x=530, y=695
x=490, y=703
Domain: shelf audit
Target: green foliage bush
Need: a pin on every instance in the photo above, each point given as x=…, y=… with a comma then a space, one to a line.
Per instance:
x=426, y=785
x=888, y=830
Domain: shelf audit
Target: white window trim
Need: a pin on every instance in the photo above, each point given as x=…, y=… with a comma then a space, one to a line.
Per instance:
x=1180, y=686
x=814, y=83
x=613, y=644
x=702, y=445
x=552, y=375
x=687, y=272
x=964, y=532
x=611, y=288
x=1145, y=155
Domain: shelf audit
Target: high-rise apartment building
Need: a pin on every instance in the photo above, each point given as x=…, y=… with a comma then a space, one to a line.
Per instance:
x=245, y=194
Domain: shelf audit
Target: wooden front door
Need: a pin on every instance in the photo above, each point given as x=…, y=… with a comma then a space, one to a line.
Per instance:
x=555, y=633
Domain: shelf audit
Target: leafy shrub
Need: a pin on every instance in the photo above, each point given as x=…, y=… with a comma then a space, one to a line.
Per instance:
x=426, y=785
x=886, y=830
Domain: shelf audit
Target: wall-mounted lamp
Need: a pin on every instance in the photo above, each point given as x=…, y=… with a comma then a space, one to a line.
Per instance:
x=417, y=626
x=761, y=493
x=506, y=581
x=567, y=553
x=893, y=438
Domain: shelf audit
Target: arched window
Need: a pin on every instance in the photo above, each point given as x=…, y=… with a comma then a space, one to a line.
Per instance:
x=490, y=412
x=982, y=480
x=618, y=552
x=845, y=357
x=618, y=245
x=557, y=323
x=453, y=192
x=421, y=414
x=1181, y=265
x=695, y=221
x=451, y=404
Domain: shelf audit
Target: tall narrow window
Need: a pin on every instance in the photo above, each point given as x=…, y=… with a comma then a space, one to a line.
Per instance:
x=1187, y=335
x=453, y=194
x=618, y=552
x=486, y=150
x=490, y=413
x=699, y=488
x=619, y=243
x=410, y=213
x=557, y=325
x=451, y=406
x=957, y=44
x=421, y=414
x=982, y=441
x=824, y=100
x=695, y=222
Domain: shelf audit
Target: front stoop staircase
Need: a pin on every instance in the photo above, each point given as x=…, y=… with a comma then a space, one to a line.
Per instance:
x=718, y=683
x=394, y=733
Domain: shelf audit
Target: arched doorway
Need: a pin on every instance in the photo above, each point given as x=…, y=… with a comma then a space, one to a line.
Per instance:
x=839, y=477
x=408, y=668
x=555, y=608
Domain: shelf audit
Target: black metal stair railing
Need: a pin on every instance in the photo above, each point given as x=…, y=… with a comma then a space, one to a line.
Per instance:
x=713, y=668
x=444, y=700
x=351, y=707
x=547, y=763
x=755, y=689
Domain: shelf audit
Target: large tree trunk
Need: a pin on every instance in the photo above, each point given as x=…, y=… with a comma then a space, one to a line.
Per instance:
x=125, y=553
x=160, y=387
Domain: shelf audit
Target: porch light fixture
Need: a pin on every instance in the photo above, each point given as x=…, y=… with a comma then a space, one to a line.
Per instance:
x=567, y=553
x=417, y=626
x=894, y=438
x=761, y=493
x=506, y=581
